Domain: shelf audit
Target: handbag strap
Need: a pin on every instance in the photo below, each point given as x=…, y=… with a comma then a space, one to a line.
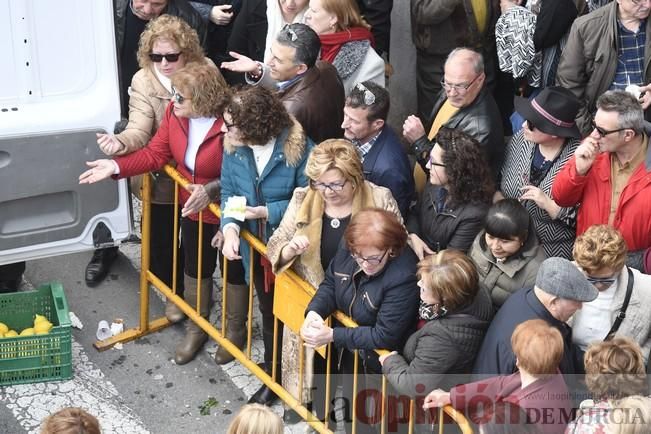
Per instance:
x=622, y=312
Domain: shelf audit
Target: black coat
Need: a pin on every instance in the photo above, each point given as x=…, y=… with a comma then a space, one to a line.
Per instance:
x=249, y=32
x=480, y=120
x=441, y=348
x=384, y=305
x=453, y=228
x=496, y=356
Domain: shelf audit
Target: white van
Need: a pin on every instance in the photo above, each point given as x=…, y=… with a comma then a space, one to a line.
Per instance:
x=58, y=87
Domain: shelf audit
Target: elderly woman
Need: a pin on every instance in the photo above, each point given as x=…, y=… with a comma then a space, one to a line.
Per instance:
x=346, y=41
x=601, y=253
x=454, y=314
x=537, y=387
x=191, y=135
x=614, y=369
x=534, y=156
x=315, y=221
x=167, y=45
x=372, y=279
x=259, y=22
x=506, y=252
x=451, y=209
x=264, y=161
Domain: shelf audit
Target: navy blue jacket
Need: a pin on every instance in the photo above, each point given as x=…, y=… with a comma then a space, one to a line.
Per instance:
x=496, y=355
x=387, y=165
x=384, y=305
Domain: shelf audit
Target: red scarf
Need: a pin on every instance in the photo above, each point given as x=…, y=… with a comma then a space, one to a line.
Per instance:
x=331, y=43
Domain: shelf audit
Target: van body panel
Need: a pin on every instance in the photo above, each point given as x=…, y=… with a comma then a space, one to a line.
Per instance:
x=59, y=88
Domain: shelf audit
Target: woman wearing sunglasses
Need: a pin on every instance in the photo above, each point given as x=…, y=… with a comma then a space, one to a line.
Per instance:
x=451, y=208
x=309, y=234
x=601, y=253
x=372, y=279
x=190, y=134
x=534, y=156
x=167, y=45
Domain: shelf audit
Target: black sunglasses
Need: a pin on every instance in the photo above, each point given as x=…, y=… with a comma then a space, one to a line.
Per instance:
x=170, y=57
x=602, y=132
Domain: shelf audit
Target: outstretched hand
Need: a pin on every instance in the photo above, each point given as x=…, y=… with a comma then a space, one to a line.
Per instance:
x=99, y=170
x=241, y=63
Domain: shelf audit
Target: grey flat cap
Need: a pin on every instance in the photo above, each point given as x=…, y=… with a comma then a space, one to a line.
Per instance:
x=560, y=277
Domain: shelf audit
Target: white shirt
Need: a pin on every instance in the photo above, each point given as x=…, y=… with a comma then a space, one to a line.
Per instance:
x=593, y=321
x=199, y=128
x=262, y=155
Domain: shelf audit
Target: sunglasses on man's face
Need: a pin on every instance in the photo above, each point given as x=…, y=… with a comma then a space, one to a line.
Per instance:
x=170, y=57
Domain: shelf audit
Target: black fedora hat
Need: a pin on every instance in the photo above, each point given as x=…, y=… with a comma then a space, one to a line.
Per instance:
x=552, y=111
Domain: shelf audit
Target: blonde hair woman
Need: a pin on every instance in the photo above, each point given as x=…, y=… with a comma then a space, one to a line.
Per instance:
x=167, y=45
x=614, y=369
x=71, y=420
x=308, y=235
x=256, y=419
x=601, y=253
x=190, y=134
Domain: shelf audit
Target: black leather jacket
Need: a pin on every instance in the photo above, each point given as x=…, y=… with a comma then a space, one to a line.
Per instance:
x=177, y=8
x=480, y=120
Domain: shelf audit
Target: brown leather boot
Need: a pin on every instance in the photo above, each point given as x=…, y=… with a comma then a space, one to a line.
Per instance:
x=237, y=309
x=195, y=337
x=173, y=313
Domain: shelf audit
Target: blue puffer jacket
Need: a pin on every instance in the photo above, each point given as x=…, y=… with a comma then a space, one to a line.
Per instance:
x=385, y=305
x=274, y=188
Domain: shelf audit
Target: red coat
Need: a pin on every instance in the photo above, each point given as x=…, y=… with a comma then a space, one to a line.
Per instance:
x=546, y=401
x=170, y=143
x=593, y=191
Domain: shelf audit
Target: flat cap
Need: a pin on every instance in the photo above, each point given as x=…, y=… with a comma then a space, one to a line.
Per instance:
x=560, y=277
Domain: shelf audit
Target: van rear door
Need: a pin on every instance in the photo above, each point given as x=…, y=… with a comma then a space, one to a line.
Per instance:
x=59, y=87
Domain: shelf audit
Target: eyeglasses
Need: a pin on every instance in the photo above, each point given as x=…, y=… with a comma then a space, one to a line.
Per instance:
x=176, y=96
x=170, y=57
x=369, y=97
x=333, y=186
x=531, y=125
x=433, y=163
x=292, y=34
x=606, y=281
x=458, y=87
x=602, y=132
x=371, y=260
x=229, y=126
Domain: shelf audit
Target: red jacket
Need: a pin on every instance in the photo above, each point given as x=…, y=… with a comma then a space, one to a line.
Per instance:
x=546, y=401
x=170, y=143
x=593, y=191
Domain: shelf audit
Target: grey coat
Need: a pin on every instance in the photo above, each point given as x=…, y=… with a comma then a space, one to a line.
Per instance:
x=502, y=279
x=589, y=60
x=441, y=348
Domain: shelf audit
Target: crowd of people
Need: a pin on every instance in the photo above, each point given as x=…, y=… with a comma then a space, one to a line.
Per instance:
x=504, y=234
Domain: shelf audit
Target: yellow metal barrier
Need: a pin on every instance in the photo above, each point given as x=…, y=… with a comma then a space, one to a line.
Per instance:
x=301, y=293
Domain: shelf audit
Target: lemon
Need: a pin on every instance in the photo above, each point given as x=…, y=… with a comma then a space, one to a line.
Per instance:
x=42, y=327
x=11, y=334
x=3, y=328
x=27, y=332
x=39, y=318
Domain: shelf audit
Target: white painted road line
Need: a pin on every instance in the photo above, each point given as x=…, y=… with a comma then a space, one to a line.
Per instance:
x=88, y=389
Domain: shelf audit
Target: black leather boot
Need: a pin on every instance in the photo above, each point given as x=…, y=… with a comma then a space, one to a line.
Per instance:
x=264, y=395
x=100, y=264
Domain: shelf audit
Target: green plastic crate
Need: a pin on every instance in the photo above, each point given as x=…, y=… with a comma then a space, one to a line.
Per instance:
x=33, y=359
